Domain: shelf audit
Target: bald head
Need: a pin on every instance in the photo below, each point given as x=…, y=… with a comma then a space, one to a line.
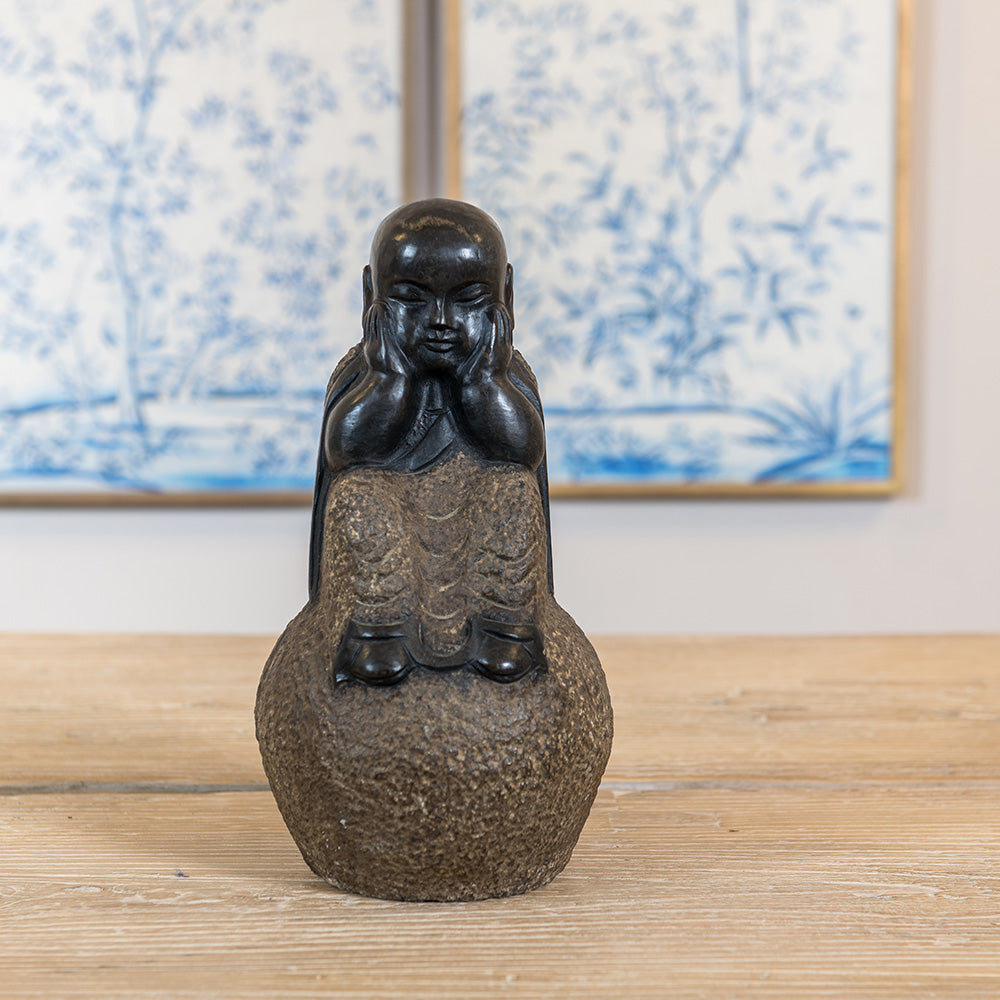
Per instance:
x=439, y=235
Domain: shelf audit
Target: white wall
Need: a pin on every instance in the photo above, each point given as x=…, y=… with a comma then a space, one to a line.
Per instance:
x=926, y=561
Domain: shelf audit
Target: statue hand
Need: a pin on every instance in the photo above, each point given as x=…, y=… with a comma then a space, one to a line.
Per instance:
x=381, y=350
x=493, y=355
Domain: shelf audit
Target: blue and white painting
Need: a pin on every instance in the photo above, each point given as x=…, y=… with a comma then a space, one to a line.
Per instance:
x=190, y=189
x=698, y=199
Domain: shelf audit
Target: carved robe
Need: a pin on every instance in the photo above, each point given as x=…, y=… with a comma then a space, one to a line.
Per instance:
x=434, y=546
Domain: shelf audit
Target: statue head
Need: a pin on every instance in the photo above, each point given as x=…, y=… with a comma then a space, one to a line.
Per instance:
x=439, y=272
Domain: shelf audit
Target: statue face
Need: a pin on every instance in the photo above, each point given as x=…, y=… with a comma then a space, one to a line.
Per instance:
x=441, y=279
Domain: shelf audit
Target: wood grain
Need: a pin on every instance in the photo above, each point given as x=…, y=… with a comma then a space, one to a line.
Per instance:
x=801, y=708
x=180, y=708
x=175, y=709
x=776, y=891
x=781, y=818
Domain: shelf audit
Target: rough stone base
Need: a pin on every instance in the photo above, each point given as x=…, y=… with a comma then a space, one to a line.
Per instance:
x=446, y=786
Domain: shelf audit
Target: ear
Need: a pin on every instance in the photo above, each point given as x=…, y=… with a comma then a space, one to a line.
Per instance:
x=367, y=289
x=508, y=293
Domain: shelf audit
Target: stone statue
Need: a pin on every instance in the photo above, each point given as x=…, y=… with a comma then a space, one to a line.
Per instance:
x=433, y=724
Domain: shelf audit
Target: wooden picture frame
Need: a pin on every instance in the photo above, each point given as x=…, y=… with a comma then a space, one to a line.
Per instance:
x=557, y=116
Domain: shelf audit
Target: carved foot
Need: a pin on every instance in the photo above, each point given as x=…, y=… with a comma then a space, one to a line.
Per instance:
x=375, y=654
x=385, y=654
x=505, y=652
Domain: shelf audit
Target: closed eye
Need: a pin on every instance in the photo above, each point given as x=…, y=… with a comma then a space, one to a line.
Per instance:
x=407, y=293
x=472, y=293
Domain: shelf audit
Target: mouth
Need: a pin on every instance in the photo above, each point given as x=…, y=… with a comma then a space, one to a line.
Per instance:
x=441, y=345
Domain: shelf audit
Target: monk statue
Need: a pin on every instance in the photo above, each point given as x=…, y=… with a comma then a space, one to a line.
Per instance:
x=433, y=724
x=432, y=440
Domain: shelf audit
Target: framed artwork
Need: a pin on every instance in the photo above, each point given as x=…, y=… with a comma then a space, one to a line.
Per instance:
x=190, y=190
x=705, y=208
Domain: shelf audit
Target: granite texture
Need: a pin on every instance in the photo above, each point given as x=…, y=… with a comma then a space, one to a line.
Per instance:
x=446, y=786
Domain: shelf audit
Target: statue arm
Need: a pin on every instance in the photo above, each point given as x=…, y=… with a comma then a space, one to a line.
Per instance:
x=496, y=414
x=365, y=424
x=502, y=422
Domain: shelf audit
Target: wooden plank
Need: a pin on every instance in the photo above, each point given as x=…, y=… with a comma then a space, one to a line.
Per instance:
x=844, y=708
x=178, y=709
x=92, y=708
x=786, y=890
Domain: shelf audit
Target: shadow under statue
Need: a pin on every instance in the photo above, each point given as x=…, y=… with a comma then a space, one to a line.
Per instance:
x=434, y=726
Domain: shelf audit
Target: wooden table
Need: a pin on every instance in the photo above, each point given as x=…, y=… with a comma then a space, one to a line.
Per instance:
x=780, y=818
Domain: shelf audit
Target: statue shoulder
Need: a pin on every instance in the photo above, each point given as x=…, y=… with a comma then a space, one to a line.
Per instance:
x=524, y=378
x=348, y=368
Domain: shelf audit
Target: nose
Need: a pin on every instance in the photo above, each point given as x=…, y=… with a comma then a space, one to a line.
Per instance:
x=440, y=315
